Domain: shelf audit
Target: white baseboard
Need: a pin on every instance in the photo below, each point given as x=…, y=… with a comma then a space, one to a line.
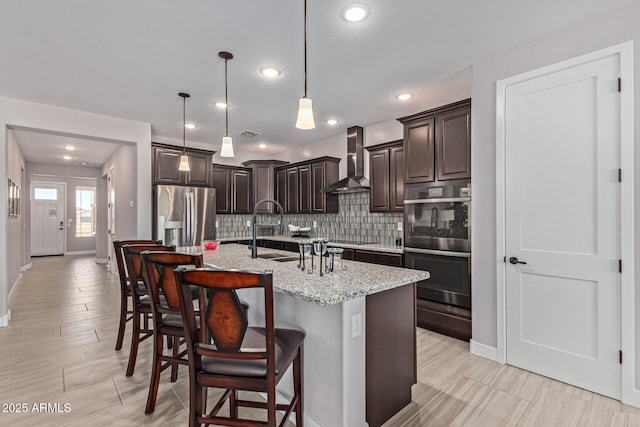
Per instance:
x=13, y=288
x=4, y=319
x=26, y=267
x=483, y=350
x=101, y=260
x=80, y=252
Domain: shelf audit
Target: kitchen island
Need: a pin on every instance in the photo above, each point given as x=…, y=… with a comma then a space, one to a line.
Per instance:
x=359, y=350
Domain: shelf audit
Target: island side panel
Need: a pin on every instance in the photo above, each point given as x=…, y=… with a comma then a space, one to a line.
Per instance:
x=391, y=352
x=326, y=379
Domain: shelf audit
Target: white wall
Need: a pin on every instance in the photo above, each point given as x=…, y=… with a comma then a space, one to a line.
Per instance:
x=29, y=115
x=603, y=32
x=123, y=163
x=15, y=225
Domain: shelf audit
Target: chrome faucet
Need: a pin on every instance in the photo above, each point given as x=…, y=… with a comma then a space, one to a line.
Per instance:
x=254, y=249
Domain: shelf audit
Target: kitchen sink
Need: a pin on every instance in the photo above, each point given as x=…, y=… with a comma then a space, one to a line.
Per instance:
x=279, y=257
x=285, y=259
x=271, y=256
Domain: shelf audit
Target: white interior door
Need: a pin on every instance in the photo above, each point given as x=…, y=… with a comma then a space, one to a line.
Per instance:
x=47, y=218
x=562, y=220
x=111, y=219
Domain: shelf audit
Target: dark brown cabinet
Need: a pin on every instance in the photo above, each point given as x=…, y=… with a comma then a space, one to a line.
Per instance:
x=304, y=190
x=263, y=186
x=299, y=186
x=291, y=205
x=386, y=176
x=437, y=143
x=166, y=160
x=233, y=189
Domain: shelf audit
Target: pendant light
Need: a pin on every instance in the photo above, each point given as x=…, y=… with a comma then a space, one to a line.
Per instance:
x=305, y=108
x=184, y=159
x=227, y=143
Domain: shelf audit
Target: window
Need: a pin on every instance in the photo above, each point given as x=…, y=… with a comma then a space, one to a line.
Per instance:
x=85, y=211
x=45, y=193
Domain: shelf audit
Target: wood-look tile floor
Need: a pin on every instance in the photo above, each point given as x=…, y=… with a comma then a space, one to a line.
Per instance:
x=59, y=350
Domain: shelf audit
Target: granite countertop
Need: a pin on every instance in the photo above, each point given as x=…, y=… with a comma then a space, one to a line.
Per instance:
x=377, y=247
x=357, y=280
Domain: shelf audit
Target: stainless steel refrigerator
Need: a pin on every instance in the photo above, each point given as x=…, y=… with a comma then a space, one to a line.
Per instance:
x=184, y=216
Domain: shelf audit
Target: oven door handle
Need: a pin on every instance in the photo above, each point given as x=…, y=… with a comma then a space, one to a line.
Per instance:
x=437, y=252
x=438, y=200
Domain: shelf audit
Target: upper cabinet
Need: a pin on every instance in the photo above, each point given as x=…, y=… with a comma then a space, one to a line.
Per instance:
x=437, y=143
x=166, y=159
x=233, y=189
x=386, y=176
x=263, y=186
x=299, y=186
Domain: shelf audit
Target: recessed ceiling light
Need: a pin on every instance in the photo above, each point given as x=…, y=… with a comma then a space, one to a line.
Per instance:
x=332, y=122
x=190, y=126
x=69, y=147
x=404, y=96
x=84, y=163
x=355, y=12
x=66, y=157
x=221, y=105
x=270, y=72
x=262, y=145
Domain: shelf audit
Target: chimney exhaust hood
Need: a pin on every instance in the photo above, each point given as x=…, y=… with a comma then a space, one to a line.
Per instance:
x=355, y=180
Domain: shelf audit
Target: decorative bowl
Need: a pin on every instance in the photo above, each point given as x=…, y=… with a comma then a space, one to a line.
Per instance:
x=209, y=245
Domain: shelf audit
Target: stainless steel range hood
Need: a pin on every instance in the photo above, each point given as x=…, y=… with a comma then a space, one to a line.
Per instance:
x=355, y=180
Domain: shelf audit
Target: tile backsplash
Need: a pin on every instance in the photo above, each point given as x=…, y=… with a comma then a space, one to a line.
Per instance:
x=353, y=222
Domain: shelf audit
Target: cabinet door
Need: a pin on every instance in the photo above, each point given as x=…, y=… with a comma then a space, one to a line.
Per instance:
x=379, y=180
x=263, y=187
x=304, y=191
x=419, y=151
x=165, y=167
x=222, y=184
x=281, y=188
x=396, y=179
x=453, y=144
x=200, y=173
x=241, y=195
x=292, y=190
x=318, y=182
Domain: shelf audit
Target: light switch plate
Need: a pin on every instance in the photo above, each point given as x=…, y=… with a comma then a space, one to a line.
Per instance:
x=248, y=223
x=356, y=325
x=400, y=226
x=217, y=224
x=315, y=224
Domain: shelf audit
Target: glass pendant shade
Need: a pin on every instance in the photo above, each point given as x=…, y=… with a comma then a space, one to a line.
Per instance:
x=227, y=147
x=184, y=163
x=305, y=114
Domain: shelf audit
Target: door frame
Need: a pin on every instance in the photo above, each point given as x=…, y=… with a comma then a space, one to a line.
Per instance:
x=34, y=183
x=627, y=296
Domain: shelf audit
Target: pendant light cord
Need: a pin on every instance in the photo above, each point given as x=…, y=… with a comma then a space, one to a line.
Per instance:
x=184, y=122
x=226, y=98
x=305, y=48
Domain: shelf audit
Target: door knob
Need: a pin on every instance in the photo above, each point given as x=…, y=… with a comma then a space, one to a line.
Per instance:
x=514, y=260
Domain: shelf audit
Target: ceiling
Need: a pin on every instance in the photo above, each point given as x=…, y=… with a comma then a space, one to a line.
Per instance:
x=129, y=59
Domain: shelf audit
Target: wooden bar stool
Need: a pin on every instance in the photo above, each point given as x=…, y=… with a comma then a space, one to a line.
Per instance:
x=141, y=301
x=125, y=284
x=166, y=313
x=225, y=352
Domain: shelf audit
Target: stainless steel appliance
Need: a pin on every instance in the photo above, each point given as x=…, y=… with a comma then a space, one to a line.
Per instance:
x=184, y=216
x=437, y=239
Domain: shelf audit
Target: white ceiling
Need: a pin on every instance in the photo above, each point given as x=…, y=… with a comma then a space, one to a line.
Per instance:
x=129, y=59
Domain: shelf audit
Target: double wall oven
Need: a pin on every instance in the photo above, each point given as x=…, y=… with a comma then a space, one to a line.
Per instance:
x=437, y=239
